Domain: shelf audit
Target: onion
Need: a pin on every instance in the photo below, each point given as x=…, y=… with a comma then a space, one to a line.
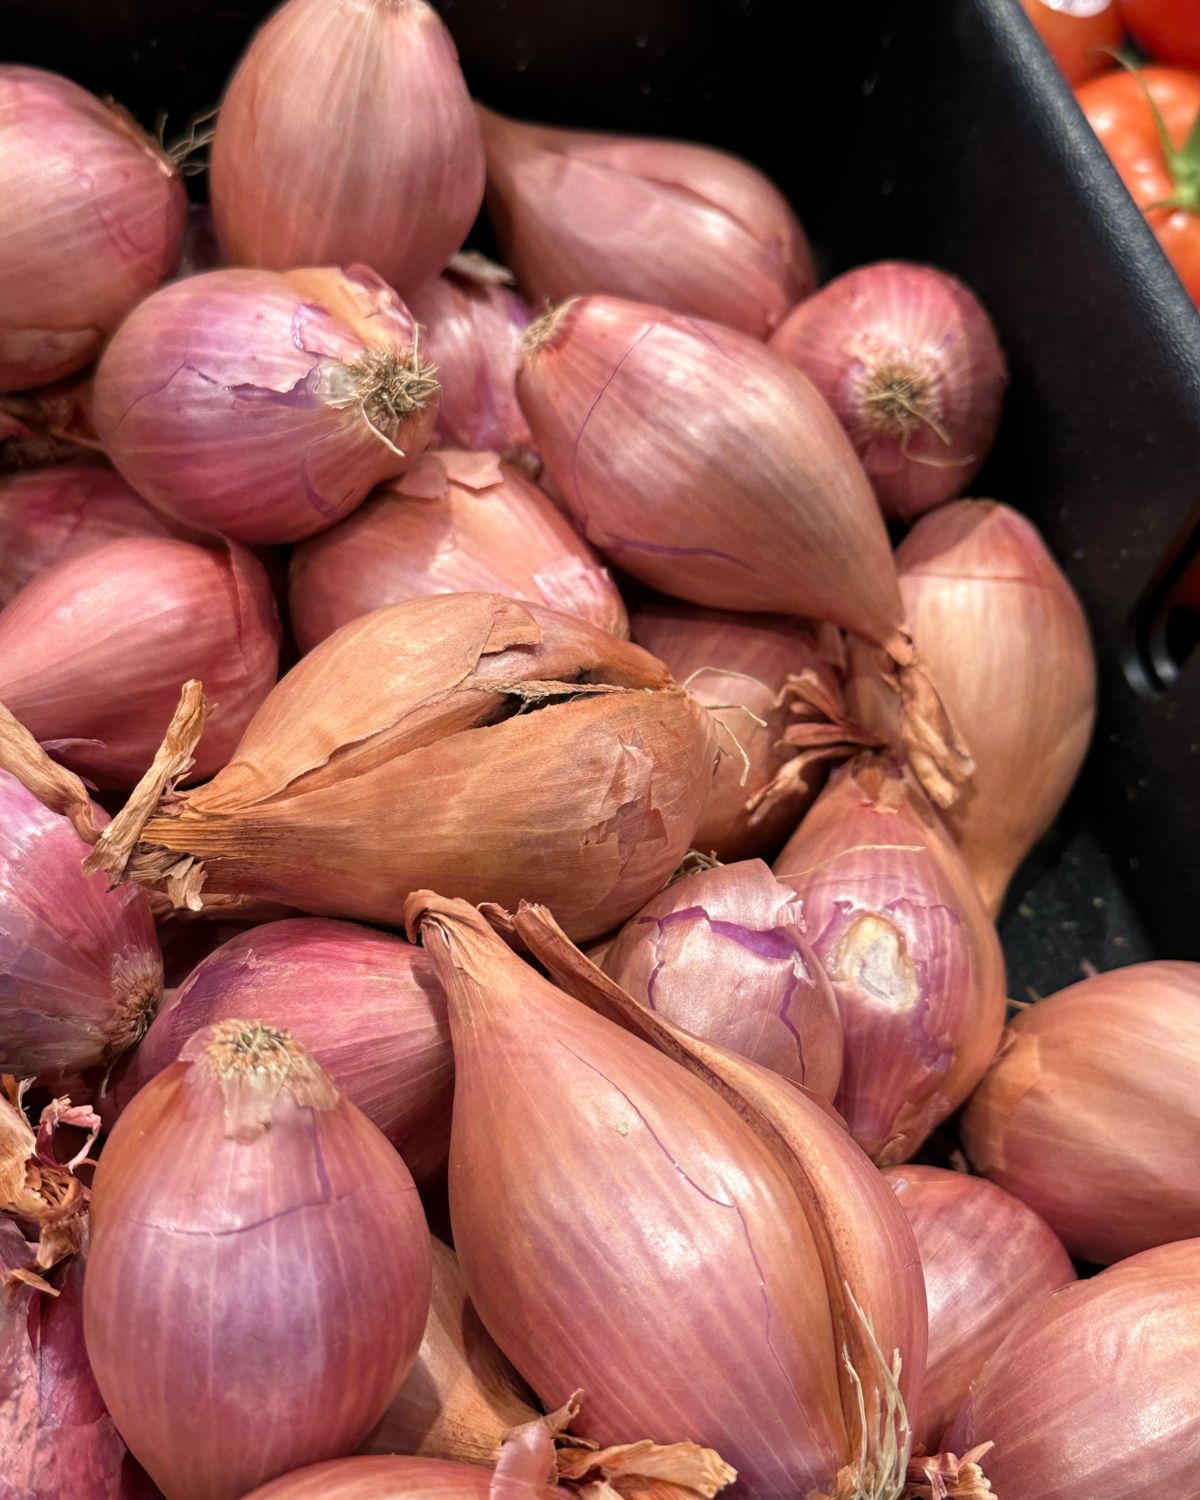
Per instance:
x=472, y=324
x=56, y=1435
x=265, y=406
x=94, y=649
x=759, y=501
x=989, y=607
x=49, y=515
x=462, y=1395
x=385, y=1042
x=453, y=523
x=909, y=361
x=773, y=685
x=724, y=1222
x=383, y=1479
x=94, y=214
x=1094, y=1393
x=722, y=953
x=240, y=1316
x=986, y=1257
x=894, y=917
x=400, y=751
x=347, y=134
x=47, y=425
x=80, y=970
x=685, y=227
x=1090, y=1113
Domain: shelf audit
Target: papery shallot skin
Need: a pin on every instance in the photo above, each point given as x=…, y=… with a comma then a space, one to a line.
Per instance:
x=265, y=405
x=80, y=968
x=1004, y=636
x=347, y=134
x=259, y=1276
x=894, y=918
x=455, y=522
x=94, y=212
x=1094, y=1392
x=366, y=1005
x=706, y=465
x=49, y=425
x=739, y=666
x=473, y=328
x=723, y=954
x=94, y=650
x=50, y=515
x=682, y=226
x=56, y=1436
x=656, y=1218
x=462, y=1395
x=1090, y=1113
x=909, y=360
x=381, y=1478
x=498, y=748
x=986, y=1258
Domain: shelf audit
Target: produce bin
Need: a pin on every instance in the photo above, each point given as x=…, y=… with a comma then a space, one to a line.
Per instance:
x=936, y=130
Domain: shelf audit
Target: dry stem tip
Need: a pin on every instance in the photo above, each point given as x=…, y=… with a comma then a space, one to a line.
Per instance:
x=541, y=331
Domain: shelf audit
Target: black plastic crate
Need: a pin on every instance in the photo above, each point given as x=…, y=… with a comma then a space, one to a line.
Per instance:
x=936, y=130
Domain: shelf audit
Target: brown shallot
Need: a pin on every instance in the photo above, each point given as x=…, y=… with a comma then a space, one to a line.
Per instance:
x=773, y=686
x=892, y=914
x=400, y=750
x=1090, y=1113
x=454, y=522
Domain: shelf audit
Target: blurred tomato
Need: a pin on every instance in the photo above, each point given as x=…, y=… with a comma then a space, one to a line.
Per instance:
x=1122, y=115
x=1080, y=35
x=1167, y=30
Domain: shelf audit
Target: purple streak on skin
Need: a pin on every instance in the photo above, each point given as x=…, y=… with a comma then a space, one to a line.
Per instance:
x=774, y=943
x=583, y=426
x=628, y=544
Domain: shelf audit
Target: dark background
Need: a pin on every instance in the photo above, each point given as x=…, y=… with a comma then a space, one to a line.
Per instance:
x=931, y=129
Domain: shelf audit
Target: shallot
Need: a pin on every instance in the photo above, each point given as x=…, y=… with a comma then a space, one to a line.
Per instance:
x=473, y=325
x=722, y=953
x=1090, y=1113
x=265, y=405
x=93, y=217
x=986, y=1258
x=80, y=970
x=259, y=1278
x=384, y=1039
x=685, y=227
x=400, y=750
x=1094, y=1392
x=893, y=915
x=453, y=523
x=909, y=361
x=347, y=134
x=93, y=651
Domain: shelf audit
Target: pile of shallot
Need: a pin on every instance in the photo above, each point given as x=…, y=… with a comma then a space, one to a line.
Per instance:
x=553, y=1040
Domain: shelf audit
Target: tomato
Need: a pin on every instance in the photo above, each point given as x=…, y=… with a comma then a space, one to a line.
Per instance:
x=1079, y=35
x=1168, y=30
x=1119, y=113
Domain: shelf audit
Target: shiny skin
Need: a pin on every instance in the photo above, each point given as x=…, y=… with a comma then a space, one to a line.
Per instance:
x=1117, y=110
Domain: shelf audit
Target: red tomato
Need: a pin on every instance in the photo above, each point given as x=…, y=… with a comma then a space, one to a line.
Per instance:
x=1079, y=35
x=1168, y=30
x=1118, y=111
